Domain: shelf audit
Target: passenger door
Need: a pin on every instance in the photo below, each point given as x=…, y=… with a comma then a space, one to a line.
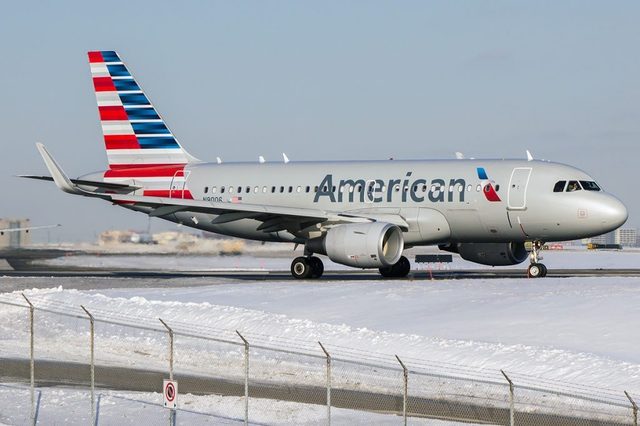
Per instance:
x=517, y=195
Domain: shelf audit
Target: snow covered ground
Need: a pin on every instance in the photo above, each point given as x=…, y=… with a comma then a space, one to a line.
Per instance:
x=70, y=406
x=546, y=332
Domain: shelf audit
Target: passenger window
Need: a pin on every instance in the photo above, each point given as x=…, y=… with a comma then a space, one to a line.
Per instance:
x=589, y=185
x=214, y=189
x=315, y=188
x=308, y=188
x=281, y=189
x=497, y=188
x=206, y=189
x=559, y=186
x=222, y=189
x=249, y=189
x=573, y=186
x=298, y=189
x=239, y=190
x=333, y=189
x=264, y=189
x=230, y=189
x=255, y=189
x=290, y=189
x=478, y=188
x=469, y=188
x=273, y=189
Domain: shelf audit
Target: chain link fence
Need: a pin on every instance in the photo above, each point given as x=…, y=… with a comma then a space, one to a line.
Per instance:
x=92, y=366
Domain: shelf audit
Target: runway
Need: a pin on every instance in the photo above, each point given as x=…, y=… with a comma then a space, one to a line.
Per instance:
x=350, y=275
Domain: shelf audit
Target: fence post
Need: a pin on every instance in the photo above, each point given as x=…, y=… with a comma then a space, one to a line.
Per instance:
x=246, y=378
x=328, y=383
x=511, y=399
x=93, y=371
x=635, y=408
x=405, y=374
x=172, y=412
x=31, y=361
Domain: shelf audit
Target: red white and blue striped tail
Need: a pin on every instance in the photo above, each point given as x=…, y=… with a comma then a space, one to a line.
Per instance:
x=139, y=144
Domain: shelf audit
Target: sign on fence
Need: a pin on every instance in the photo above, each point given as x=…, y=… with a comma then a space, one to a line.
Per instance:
x=170, y=393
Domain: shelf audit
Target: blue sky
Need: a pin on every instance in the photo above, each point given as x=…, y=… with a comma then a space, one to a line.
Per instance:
x=323, y=80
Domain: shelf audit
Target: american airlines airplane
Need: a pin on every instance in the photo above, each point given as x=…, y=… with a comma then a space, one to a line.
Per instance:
x=357, y=213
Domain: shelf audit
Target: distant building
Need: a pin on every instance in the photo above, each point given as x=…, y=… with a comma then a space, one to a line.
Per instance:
x=608, y=238
x=626, y=237
x=14, y=239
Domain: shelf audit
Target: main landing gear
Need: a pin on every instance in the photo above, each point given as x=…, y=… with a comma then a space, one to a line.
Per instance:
x=400, y=269
x=536, y=269
x=307, y=267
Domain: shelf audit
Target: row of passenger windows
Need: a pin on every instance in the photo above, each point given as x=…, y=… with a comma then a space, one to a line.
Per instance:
x=574, y=185
x=358, y=188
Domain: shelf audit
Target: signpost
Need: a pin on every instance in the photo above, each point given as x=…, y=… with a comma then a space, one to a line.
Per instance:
x=170, y=394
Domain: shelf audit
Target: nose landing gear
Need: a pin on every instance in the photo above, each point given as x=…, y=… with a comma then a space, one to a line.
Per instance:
x=536, y=269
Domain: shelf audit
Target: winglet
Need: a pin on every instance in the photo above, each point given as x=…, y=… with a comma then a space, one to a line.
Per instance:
x=59, y=177
x=459, y=155
x=285, y=158
x=529, y=156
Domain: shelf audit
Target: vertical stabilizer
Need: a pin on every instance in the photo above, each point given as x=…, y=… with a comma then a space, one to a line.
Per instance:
x=134, y=133
x=140, y=147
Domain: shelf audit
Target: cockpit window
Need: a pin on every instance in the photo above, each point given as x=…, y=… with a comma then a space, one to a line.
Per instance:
x=559, y=186
x=589, y=185
x=573, y=186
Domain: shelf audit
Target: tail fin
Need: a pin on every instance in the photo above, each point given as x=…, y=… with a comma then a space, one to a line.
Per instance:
x=135, y=135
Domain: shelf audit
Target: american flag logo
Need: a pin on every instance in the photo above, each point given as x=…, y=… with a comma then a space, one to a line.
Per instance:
x=236, y=199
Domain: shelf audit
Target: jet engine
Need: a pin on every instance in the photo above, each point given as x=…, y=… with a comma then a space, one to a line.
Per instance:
x=361, y=245
x=493, y=254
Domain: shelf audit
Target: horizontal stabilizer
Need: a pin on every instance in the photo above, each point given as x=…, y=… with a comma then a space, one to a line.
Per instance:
x=84, y=182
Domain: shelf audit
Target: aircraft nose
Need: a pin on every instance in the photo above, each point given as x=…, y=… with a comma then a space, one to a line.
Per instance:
x=613, y=213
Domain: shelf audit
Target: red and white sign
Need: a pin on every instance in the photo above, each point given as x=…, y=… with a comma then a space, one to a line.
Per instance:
x=170, y=394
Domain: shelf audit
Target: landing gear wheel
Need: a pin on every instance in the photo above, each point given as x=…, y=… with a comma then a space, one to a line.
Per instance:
x=544, y=270
x=317, y=267
x=400, y=269
x=301, y=268
x=536, y=270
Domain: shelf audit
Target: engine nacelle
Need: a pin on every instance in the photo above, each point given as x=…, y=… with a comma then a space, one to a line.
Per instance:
x=361, y=245
x=493, y=254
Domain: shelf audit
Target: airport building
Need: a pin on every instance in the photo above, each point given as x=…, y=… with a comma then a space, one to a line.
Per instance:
x=626, y=237
x=17, y=238
x=608, y=238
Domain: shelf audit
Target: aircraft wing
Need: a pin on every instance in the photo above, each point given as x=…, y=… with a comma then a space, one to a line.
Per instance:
x=273, y=218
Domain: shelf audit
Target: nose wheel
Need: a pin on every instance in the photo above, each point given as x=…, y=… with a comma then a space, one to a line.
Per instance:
x=307, y=267
x=536, y=269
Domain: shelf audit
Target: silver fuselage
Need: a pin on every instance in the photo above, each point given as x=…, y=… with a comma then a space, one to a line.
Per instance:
x=442, y=201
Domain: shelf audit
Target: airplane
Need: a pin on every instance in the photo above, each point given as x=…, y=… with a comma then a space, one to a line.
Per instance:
x=27, y=228
x=362, y=214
